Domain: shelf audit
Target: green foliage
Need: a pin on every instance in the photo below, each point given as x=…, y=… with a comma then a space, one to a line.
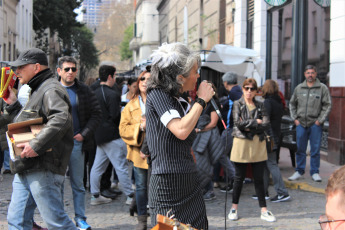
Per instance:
x=125, y=52
x=59, y=17
x=82, y=39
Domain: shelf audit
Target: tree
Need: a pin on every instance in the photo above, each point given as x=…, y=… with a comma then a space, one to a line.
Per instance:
x=82, y=39
x=56, y=15
x=125, y=52
x=56, y=18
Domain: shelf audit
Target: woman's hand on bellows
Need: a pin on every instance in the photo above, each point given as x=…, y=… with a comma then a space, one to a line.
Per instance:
x=205, y=91
x=259, y=121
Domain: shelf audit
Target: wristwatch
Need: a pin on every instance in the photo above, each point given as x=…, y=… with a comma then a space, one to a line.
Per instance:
x=201, y=102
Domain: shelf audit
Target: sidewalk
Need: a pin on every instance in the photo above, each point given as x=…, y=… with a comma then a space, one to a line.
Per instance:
x=305, y=184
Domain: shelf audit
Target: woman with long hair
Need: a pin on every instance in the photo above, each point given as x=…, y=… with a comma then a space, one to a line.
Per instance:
x=275, y=110
x=132, y=131
x=249, y=146
x=174, y=185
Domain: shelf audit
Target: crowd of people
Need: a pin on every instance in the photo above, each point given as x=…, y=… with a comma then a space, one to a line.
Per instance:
x=164, y=148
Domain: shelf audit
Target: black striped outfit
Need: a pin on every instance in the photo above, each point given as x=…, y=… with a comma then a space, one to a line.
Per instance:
x=174, y=183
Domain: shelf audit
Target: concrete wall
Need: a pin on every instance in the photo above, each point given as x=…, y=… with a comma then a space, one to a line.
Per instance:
x=147, y=37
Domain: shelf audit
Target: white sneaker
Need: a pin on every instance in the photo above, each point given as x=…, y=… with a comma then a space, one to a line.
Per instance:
x=129, y=200
x=233, y=214
x=268, y=216
x=99, y=200
x=316, y=177
x=295, y=176
x=113, y=185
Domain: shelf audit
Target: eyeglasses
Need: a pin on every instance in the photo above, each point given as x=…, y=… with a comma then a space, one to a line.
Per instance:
x=142, y=78
x=68, y=68
x=249, y=88
x=325, y=223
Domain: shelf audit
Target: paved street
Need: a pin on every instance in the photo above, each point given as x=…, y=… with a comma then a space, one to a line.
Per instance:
x=301, y=212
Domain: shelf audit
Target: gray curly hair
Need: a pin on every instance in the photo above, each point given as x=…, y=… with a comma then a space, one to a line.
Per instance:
x=168, y=62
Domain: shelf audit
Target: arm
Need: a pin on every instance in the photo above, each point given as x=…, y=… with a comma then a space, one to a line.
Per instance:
x=182, y=127
x=326, y=105
x=213, y=122
x=293, y=107
x=237, y=118
x=130, y=126
x=56, y=109
x=96, y=114
x=114, y=106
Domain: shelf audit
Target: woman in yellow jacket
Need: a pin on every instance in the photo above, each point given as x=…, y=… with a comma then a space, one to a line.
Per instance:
x=132, y=130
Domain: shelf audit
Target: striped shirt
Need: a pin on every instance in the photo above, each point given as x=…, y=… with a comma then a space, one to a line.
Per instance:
x=168, y=153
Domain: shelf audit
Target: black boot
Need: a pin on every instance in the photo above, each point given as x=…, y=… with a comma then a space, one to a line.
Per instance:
x=133, y=207
x=142, y=222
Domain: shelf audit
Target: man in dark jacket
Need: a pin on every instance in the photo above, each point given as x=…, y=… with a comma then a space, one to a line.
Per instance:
x=40, y=169
x=234, y=93
x=86, y=114
x=5, y=119
x=110, y=146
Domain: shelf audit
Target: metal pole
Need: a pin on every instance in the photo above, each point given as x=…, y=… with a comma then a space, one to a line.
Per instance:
x=303, y=39
x=294, y=45
x=269, y=46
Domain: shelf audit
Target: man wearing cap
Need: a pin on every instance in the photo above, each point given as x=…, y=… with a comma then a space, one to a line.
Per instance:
x=39, y=171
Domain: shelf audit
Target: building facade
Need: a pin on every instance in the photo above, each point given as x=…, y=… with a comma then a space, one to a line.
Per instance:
x=24, y=25
x=95, y=12
x=16, y=34
x=9, y=32
x=198, y=23
x=146, y=30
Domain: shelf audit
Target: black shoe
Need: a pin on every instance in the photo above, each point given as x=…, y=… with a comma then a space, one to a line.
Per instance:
x=226, y=189
x=281, y=198
x=209, y=196
x=108, y=194
x=115, y=191
x=6, y=171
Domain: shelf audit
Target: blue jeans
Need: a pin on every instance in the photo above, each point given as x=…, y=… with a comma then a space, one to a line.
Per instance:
x=41, y=189
x=114, y=151
x=76, y=173
x=313, y=134
x=7, y=159
x=140, y=176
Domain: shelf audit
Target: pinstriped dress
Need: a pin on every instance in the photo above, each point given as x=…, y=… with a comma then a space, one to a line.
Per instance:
x=174, y=184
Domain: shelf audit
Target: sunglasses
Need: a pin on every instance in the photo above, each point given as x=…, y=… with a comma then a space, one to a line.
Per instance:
x=249, y=88
x=68, y=68
x=142, y=78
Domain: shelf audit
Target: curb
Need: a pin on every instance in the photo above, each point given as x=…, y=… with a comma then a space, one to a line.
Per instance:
x=302, y=186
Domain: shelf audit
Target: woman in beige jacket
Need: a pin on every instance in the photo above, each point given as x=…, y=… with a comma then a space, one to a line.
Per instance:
x=132, y=130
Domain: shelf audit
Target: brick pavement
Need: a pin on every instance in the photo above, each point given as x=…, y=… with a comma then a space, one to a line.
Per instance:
x=301, y=212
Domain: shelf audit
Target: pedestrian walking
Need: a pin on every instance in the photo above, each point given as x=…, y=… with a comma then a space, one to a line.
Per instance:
x=40, y=170
x=110, y=146
x=132, y=130
x=86, y=114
